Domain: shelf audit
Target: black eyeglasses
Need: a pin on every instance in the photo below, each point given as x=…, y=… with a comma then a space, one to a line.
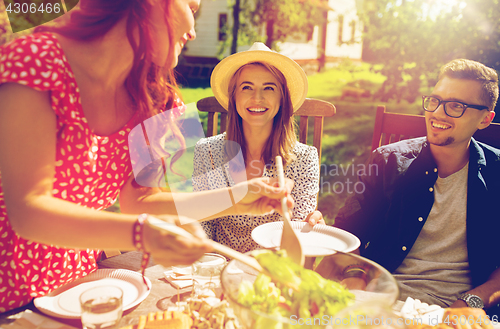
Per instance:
x=453, y=109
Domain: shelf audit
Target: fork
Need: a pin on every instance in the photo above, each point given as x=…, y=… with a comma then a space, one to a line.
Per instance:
x=289, y=238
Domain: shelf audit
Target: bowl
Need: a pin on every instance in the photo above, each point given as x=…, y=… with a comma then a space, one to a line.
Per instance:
x=372, y=285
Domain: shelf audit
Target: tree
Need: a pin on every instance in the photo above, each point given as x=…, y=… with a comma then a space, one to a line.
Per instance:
x=481, y=32
x=236, y=26
x=242, y=31
x=283, y=18
x=404, y=37
x=413, y=38
x=278, y=18
x=480, y=35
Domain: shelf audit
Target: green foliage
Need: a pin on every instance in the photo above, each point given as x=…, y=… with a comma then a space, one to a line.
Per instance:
x=413, y=39
x=398, y=33
x=481, y=28
x=284, y=18
x=192, y=95
x=278, y=18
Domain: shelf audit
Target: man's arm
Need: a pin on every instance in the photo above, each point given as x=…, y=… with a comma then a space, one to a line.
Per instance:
x=489, y=292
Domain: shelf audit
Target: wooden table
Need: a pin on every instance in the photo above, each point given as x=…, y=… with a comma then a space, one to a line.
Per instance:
x=162, y=294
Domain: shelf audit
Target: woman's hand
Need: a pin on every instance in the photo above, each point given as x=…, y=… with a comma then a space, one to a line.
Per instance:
x=316, y=217
x=169, y=250
x=261, y=196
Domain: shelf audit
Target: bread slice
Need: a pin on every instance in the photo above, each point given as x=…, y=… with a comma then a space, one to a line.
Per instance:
x=163, y=320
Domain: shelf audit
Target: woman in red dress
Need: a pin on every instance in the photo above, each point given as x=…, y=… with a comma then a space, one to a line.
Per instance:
x=70, y=95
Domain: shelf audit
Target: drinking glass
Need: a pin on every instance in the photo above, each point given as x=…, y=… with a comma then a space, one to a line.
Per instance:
x=101, y=307
x=206, y=273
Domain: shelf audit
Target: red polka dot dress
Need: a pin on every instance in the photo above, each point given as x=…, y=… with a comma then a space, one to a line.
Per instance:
x=90, y=170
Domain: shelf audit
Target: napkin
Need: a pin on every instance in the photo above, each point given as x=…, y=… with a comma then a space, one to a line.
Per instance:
x=30, y=320
x=428, y=314
x=184, y=281
x=179, y=277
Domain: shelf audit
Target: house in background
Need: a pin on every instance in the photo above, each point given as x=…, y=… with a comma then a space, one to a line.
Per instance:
x=339, y=38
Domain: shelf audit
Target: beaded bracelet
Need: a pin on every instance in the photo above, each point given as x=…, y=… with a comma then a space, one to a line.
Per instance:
x=355, y=271
x=138, y=239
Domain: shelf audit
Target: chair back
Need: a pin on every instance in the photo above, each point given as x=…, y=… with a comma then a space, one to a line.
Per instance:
x=316, y=108
x=211, y=106
x=393, y=127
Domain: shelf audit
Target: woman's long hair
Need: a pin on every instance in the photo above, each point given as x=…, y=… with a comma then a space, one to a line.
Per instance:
x=283, y=136
x=151, y=88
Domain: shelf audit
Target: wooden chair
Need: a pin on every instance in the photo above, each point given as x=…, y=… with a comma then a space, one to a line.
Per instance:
x=311, y=108
x=393, y=127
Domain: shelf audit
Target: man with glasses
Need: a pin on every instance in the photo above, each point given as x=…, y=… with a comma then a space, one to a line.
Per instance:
x=430, y=214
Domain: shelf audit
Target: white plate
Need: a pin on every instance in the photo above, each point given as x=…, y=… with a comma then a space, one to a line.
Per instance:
x=316, y=241
x=64, y=301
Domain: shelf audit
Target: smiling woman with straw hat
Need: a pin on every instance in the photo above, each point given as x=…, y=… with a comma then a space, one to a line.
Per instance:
x=261, y=90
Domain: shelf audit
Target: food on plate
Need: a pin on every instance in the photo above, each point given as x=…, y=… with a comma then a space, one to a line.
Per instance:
x=163, y=320
x=196, y=313
x=316, y=296
x=211, y=312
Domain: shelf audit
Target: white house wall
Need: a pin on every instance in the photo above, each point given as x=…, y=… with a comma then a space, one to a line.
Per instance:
x=349, y=11
x=301, y=49
x=206, y=43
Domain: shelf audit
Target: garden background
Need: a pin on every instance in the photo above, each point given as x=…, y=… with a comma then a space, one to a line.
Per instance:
x=347, y=135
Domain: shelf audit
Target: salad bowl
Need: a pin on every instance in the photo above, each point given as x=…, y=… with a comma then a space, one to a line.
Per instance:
x=371, y=284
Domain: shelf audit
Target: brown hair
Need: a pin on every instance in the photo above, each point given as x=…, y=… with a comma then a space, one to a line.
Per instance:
x=283, y=136
x=151, y=88
x=472, y=70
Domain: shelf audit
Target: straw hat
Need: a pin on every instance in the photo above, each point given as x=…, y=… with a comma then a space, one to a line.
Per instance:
x=295, y=77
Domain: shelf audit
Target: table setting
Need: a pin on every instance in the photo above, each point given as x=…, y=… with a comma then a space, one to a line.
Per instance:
x=167, y=289
x=230, y=290
x=163, y=295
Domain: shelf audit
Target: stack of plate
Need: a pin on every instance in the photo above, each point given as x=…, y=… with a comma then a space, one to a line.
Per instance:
x=64, y=301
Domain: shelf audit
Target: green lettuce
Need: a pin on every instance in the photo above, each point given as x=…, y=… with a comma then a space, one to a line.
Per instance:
x=315, y=297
